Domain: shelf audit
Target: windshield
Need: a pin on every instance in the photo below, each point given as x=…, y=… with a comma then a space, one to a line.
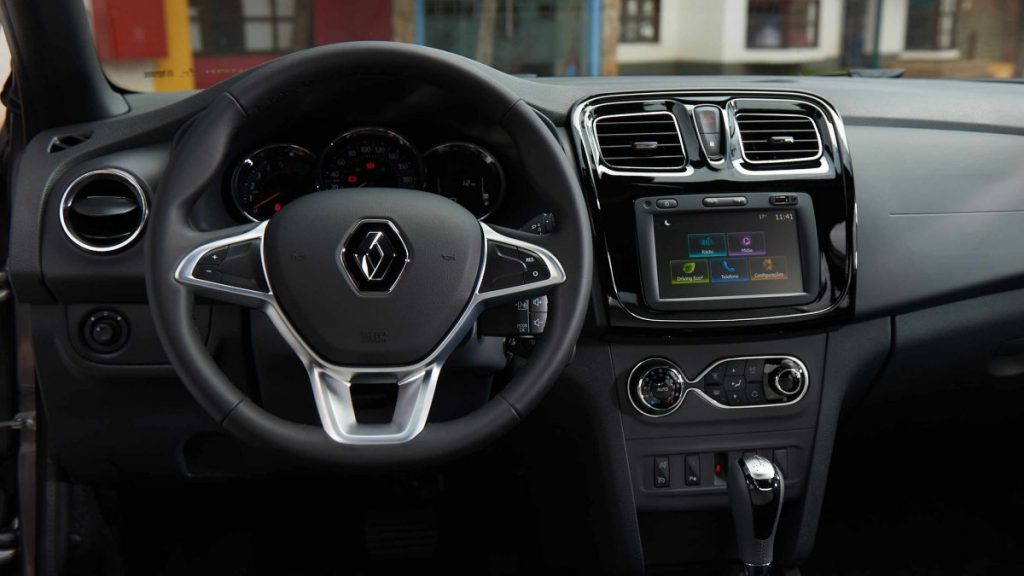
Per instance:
x=162, y=45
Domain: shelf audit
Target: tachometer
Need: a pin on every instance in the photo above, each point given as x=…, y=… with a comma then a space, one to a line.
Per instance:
x=467, y=174
x=271, y=177
x=370, y=157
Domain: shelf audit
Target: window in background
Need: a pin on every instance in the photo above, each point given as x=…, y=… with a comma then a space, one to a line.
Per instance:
x=543, y=37
x=221, y=27
x=782, y=23
x=639, y=21
x=931, y=24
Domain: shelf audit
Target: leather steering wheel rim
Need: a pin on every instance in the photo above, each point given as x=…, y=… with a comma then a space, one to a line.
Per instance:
x=196, y=168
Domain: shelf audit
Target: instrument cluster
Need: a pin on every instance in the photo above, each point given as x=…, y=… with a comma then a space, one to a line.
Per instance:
x=270, y=177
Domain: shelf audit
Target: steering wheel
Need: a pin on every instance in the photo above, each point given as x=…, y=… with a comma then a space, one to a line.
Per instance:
x=369, y=287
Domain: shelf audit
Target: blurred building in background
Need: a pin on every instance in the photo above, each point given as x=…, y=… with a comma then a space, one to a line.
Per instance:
x=160, y=45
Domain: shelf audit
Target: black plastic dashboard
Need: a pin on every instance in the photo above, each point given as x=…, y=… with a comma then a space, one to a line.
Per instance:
x=932, y=219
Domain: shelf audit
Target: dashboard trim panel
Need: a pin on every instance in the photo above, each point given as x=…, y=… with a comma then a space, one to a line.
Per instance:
x=581, y=116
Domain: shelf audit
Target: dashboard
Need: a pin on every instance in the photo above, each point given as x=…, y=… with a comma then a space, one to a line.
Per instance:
x=767, y=251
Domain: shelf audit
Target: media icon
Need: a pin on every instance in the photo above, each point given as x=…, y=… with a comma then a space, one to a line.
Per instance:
x=747, y=244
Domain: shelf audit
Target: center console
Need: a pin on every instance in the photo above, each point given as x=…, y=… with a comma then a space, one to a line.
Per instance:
x=727, y=226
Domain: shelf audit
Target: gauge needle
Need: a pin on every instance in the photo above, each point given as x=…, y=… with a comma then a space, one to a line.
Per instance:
x=265, y=200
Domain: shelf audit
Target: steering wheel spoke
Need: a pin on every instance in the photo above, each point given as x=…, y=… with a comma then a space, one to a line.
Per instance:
x=517, y=265
x=335, y=389
x=228, y=266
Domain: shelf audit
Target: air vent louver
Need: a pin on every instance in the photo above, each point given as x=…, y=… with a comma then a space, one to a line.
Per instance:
x=62, y=143
x=775, y=138
x=103, y=210
x=641, y=141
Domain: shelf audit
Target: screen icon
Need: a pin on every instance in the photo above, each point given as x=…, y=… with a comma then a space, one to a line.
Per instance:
x=689, y=272
x=768, y=268
x=747, y=244
x=729, y=270
x=706, y=245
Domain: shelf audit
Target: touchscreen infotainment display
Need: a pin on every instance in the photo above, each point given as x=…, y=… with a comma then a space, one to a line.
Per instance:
x=734, y=254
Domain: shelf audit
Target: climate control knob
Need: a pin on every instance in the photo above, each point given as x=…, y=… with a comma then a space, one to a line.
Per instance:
x=656, y=387
x=788, y=379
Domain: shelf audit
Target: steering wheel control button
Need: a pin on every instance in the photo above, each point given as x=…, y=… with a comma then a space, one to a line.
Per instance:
x=656, y=387
x=505, y=268
x=238, y=265
x=208, y=272
x=105, y=331
x=538, y=320
x=518, y=319
x=242, y=267
x=214, y=257
x=539, y=304
x=536, y=269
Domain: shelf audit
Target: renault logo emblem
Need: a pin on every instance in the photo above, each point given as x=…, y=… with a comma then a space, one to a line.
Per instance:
x=374, y=256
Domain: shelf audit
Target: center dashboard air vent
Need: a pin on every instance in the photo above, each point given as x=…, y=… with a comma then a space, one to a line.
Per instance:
x=776, y=138
x=103, y=210
x=640, y=141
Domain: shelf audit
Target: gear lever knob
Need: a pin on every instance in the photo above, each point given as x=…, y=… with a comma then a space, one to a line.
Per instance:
x=755, y=495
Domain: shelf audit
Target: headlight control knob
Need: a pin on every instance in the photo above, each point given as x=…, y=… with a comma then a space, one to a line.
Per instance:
x=656, y=387
x=788, y=379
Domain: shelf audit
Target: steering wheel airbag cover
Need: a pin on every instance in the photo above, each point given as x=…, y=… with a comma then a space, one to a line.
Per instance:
x=304, y=252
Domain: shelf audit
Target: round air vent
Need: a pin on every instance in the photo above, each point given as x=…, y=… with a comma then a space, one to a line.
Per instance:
x=103, y=210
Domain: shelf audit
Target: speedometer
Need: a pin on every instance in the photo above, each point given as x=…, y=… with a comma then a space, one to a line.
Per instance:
x=271, y=177
x=372, y=157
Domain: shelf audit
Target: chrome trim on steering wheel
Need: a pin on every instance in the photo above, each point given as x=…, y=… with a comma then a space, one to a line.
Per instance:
x=331, y=382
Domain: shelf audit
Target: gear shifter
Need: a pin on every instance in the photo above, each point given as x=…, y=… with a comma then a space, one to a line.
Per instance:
x=755, y=495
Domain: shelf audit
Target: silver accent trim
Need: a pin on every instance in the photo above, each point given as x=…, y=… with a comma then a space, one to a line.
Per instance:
x=331, y=382
x=837, y=137
x=743, y=152
x=700, y=393
x=635, y=169
x=248, y=157
x=778, y=387
x=631, y=386
x=72, y=189
x=759, y=469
